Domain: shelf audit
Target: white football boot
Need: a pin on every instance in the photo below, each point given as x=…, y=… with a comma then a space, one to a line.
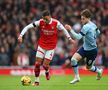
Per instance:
x=99, y=74
x=75, y=80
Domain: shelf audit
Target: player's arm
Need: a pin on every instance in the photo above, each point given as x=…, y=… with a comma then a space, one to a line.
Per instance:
x=26, y=29
x=75, y=35
x=29, y=26
x=97, y=31
x=61, y=27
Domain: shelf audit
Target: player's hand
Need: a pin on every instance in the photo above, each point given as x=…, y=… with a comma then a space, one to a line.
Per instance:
x=20, y=39
x=68, y=27
x=72, y=41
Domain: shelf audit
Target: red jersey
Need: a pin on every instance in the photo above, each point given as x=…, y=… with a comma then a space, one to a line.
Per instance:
x=48, y=34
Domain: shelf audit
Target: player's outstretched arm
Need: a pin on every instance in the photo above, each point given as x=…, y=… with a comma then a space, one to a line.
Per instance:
x=24, y=31
x=61, y=27
x=76, y=35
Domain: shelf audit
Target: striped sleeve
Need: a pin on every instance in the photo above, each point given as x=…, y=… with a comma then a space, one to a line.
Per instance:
x=36, y=23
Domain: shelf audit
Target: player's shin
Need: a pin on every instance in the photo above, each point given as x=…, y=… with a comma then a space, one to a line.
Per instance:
x=95, y=69
x=75, y=66
x=98, y=71
x=46, y=67
x=37, y=71
x=46, y=64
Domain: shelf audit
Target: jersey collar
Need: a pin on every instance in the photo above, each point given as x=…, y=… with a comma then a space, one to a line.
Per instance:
x=50, y=21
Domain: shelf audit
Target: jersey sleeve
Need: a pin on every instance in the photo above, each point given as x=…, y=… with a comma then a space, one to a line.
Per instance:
x=61, y=27
x=76, y=35
x=31, y=25
x=84, y=30
x=26, y=28
x=36, y=23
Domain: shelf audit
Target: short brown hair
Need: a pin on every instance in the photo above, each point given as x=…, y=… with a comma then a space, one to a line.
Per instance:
x=46, y=13
x=86, y=13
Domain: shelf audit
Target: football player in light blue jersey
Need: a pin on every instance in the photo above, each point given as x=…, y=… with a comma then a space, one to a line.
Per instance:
x=88, y=32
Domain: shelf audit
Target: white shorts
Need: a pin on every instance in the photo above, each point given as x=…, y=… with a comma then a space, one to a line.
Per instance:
x=42, y=53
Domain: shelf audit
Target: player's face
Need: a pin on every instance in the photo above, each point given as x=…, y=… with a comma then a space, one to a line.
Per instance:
x=84, y=20
x=46, y=19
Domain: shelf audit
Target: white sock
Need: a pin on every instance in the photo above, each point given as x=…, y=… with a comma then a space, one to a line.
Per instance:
x=37, y=79
x=77, y=76
x=47, y=71
x=95, y=69
x=75, y=66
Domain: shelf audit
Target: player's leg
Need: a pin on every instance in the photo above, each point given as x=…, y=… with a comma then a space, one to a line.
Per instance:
x=74, y=62
x=93, y=68
x=39, y=59
x=46, y=67
x=48, y=57
x=37, y=70
x=90, y=63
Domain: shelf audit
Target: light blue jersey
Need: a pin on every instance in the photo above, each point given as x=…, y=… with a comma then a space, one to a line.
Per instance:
x=89, y=34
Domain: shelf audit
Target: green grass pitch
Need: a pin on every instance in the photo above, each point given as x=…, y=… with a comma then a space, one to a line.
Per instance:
x=55, y=83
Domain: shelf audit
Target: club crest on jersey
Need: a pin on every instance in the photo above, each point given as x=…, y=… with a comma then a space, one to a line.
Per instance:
x=52, y=27
x=43, y=26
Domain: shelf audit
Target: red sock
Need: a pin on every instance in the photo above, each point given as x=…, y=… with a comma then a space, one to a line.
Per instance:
x=37, y=69
x=46, y=67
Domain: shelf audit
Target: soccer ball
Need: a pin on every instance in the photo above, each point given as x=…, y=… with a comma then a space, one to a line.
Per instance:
x=25, y=80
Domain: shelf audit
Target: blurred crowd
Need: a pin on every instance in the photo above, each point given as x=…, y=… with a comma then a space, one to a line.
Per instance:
x=16, y=14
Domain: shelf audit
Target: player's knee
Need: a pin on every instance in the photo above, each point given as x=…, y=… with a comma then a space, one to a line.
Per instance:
x=37, y=65
x=74, y=62
x=88, y=67
x=46, y=66
x=37, y=69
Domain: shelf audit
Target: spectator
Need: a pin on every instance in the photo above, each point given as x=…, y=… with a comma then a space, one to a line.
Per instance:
x=15, y=14
x=4, y=59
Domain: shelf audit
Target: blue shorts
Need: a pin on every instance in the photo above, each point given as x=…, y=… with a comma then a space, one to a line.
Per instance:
x=89, y=55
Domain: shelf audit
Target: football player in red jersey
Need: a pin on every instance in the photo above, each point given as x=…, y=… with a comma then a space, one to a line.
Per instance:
x=48, y=27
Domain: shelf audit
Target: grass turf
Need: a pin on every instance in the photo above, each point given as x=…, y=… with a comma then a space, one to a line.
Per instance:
x=55, y=83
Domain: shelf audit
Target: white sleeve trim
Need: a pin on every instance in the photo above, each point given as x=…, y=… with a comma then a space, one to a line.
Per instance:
x=61, y=27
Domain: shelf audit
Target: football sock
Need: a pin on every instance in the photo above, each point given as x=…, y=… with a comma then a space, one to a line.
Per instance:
x=75, y=66
x=46, y=68
x=37, y=69
x=94, y=69
x=37, y=79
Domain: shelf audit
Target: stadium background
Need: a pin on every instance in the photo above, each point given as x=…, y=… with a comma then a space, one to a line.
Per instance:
x=17, y=60
x=16, y=14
